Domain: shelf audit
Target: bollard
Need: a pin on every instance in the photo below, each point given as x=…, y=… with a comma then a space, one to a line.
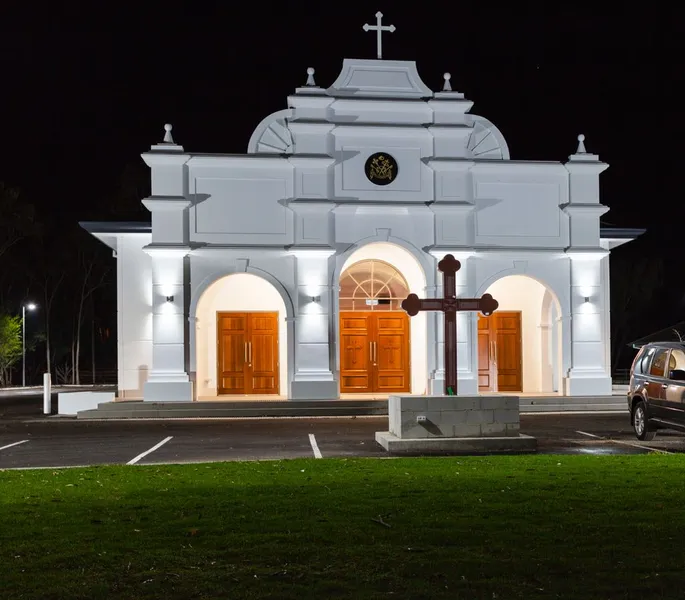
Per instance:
x=47, y=394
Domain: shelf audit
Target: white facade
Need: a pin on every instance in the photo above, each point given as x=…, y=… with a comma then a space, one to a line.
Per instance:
x=272, y=230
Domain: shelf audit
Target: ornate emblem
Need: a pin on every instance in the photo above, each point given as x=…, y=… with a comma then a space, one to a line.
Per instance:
x=381, y=168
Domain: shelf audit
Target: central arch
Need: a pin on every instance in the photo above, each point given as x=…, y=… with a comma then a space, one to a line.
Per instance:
x=380, y=349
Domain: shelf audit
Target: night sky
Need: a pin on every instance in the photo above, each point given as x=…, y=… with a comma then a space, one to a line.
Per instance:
x=88, y=87
x=86, y=91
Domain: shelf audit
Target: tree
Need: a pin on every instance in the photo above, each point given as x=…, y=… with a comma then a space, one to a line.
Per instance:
x=16, y=218
x=10, y=346
x=634, y=283
x=133, y=186
x=94, y=276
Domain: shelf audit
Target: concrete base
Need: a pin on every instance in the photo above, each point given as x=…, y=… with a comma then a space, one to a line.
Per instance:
x=584, y=383
x=314, y=390
x=453, y=445
x=168, y=391
x=71, y=403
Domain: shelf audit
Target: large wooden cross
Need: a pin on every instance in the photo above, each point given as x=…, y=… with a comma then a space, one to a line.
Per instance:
x=450, y=305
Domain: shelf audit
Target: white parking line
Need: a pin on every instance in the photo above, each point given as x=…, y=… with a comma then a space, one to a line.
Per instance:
x=133, y=461
x=315, y=446
x=631, y=444
x=14, y=444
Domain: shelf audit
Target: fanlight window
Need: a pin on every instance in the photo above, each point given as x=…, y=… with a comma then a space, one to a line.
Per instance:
x=372, y=285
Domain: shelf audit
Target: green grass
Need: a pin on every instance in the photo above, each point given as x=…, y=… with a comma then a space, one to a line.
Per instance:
x=496, y=527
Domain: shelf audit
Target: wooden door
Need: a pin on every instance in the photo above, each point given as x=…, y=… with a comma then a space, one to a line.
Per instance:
x=247, y=353
x=356, y=352
x=500, y=352
x=486, y=355
x=391, y=352
x=374, y=352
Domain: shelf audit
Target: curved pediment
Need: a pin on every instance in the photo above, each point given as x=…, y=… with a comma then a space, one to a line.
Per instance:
x=379, y=79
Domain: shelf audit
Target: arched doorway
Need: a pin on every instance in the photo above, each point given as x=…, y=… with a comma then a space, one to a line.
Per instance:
x=519, y=346
x=241, y=339
x=374, y=330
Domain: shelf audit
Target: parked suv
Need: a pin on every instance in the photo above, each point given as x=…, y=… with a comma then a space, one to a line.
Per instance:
x=656, y=396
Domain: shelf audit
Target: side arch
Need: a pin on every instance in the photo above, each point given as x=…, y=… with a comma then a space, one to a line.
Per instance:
x=286, y=324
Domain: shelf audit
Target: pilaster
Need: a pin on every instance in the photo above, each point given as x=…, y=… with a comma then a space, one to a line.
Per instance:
x=313, y=378
x=168, y=379
x=590, y=371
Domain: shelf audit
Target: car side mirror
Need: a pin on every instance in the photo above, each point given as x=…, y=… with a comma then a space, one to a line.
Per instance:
x=677, y=375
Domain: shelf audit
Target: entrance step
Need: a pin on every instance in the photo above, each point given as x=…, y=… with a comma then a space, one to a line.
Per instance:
x=319, y=408
x=184, y=410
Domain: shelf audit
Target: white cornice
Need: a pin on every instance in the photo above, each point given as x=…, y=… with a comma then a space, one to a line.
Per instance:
x=304, y=252
x=264, y=161
x=166, y=203
x=166, y=250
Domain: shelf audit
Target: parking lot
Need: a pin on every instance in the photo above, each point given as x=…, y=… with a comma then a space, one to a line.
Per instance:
x=54, y=443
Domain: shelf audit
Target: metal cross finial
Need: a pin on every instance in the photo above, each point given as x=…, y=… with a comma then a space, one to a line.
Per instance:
x=379, y=29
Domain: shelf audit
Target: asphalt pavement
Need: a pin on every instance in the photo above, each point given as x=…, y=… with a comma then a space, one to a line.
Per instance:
x=30, y=440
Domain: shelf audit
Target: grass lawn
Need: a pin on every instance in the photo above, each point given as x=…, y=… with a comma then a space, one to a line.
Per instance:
x=494, y=527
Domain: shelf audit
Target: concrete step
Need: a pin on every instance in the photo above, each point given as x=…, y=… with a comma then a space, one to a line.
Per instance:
x=222, y=412
x=547, y=408
x=572, y=400
x=186, y=410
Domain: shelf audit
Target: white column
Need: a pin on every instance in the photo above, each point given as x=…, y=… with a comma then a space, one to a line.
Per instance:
x=467, y=371
x=589, y=373
x=168, y=380
x=313, y=378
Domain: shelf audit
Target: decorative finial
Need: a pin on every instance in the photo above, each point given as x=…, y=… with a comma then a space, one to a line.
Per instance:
x=447, y=87
x=167, y=135
x=310, y=76
x=581, y=145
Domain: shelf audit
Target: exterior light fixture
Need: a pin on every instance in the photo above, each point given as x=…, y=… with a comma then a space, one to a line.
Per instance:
x=315, y=298
x=169, y=298
x=587, y=298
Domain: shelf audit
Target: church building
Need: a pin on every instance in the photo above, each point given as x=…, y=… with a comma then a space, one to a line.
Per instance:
x=279, y=273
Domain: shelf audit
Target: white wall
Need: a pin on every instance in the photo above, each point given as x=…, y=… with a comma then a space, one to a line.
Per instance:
x=239, y=292
x=524, y=294
x=406, y=264
x=134, y=319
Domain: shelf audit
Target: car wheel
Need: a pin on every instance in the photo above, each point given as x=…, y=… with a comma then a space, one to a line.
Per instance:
x=641, y=423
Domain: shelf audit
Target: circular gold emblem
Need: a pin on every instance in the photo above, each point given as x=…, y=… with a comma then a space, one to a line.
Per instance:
x=381, y=168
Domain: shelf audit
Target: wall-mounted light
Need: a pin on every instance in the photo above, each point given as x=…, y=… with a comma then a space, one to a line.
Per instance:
x=169, y=298
x=315, y=298
x=587, y=298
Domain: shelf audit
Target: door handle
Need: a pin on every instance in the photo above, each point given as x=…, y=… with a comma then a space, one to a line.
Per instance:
x=375, y=353
x=245, y=357
x=371, y=352
x=250, y=355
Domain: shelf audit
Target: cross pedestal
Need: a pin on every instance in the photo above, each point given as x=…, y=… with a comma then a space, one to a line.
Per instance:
x=448, y=424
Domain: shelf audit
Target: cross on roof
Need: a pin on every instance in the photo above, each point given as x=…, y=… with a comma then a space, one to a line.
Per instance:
x=379, y=29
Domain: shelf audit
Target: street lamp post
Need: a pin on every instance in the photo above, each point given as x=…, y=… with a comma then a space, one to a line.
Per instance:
x=30, y=306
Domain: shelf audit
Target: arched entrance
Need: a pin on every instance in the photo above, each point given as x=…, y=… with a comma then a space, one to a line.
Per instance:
x=374, y=330
x=241, y=339
x=519, y=346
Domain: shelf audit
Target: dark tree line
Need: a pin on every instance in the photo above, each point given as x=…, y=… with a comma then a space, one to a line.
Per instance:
x=49, y=260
